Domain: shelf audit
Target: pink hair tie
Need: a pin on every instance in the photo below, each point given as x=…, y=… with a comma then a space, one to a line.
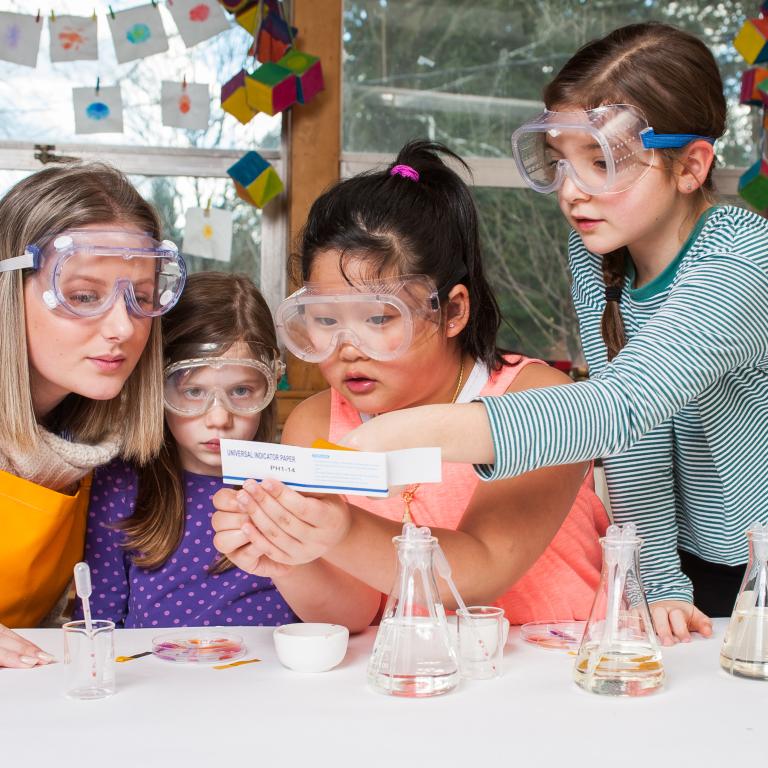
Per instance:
x=406, y=171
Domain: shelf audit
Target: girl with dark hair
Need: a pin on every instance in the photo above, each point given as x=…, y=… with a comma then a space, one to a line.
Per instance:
x=671, y=292
x=396, y=310
x=149, y=541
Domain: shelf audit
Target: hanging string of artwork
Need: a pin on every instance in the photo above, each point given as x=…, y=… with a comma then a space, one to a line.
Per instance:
x=276, y=76
x=136, y=32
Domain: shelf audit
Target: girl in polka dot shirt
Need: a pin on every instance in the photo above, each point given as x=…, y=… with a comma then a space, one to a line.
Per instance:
x=149, y=537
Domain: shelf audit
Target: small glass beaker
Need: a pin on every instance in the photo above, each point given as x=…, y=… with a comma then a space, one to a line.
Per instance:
x=745, y=646
x=89, y=659
x=619, y=654
x=414, y=654
x=481, y=641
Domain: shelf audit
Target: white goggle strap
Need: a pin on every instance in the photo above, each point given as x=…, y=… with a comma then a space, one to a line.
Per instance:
x=25, y=261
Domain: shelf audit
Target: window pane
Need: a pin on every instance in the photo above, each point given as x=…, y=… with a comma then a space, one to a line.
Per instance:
x=173, y=195
x=467, y=74
x=524, y=238
x=36, y=103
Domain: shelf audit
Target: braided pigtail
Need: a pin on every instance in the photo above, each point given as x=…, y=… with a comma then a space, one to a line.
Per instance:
x=612, y=323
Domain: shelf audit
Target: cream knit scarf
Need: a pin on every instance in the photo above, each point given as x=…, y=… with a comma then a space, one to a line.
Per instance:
x=57, y=463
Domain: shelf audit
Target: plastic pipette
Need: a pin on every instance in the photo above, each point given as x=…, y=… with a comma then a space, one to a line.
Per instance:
x=83, y=589
x=444, y=570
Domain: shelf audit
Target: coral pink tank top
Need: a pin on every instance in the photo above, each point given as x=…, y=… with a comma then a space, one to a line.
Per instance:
x=561, y=584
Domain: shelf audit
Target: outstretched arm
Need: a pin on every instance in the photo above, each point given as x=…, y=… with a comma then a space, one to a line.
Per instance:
x=505, y=528
x=691, y=342
x=463, y=432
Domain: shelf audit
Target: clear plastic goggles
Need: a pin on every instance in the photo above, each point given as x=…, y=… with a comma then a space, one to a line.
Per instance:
x=240, y=385
x=85, y=271
x=605, y=150
x=378, y=319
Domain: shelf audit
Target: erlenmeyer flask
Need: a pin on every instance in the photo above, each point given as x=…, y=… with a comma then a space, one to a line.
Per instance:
x=619, y=654
x=414, y=653
x=745, y=646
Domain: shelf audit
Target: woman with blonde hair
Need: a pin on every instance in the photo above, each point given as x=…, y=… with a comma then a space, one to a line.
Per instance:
x=83, y=279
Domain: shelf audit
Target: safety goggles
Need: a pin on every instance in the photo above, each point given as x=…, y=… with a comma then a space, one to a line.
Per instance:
x=379, y=319
x=84, y=271
x=604, y=150
x=240, y=385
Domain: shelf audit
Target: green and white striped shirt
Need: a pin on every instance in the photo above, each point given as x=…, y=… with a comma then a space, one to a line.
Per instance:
x=680, y=415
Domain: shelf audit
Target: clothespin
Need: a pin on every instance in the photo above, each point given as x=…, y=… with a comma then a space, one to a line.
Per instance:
x=184, y=83
x=53, y=15
x=94, y=15
x=154, y=3
x=111, y=12
x=38, y=16
x=207, y=211
x=98, y=84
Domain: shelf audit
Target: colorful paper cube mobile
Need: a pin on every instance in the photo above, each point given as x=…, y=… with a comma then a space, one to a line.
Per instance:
x=234, y=100
x=238, y=6
x=751, y=79
x=752, y=41
x=753, y=185
x=256, y=181
x=271, y=88
x=309, y=74
x=249, y=19
x=274, y=39
x=762, y=90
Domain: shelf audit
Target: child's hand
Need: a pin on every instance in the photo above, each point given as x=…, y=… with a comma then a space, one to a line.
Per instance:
x=463, y=432
x=230, y=540
x=227, y=522
x=291, y=528
x=674, y=620
x=17, y=652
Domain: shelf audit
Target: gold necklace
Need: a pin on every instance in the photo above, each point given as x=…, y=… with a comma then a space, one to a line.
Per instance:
x=408, y=494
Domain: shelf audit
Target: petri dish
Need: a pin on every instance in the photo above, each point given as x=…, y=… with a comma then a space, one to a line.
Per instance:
x=198, y=645
x=554, y=635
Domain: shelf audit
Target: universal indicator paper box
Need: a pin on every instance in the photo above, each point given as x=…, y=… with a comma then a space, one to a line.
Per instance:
x=322, y=470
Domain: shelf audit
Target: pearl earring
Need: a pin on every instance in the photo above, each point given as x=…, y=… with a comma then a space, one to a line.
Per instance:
x=451, y=325
x=689, y=187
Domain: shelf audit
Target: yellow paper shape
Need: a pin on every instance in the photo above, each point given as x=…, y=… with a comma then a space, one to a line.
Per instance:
x=328, y=446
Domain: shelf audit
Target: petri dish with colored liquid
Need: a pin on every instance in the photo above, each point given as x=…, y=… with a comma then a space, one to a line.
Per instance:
x=554, y=635
x=198, y=646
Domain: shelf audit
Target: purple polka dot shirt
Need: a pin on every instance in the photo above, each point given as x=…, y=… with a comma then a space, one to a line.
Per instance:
x=179, y=593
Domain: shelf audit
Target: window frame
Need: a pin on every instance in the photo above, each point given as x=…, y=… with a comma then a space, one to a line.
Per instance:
x=172, y=161
x=502, y=172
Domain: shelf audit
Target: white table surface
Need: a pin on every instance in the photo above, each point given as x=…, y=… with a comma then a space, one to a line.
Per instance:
x=165, y=714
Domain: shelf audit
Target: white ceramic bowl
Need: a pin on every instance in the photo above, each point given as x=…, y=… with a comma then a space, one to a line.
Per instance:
x=311, y=647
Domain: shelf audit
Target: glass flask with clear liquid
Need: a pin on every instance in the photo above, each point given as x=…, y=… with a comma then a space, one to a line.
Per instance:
x=619, y=654
x=745, y=646
x=415, y=653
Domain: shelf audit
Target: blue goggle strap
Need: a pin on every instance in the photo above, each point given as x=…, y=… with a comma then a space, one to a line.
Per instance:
x=653, y=140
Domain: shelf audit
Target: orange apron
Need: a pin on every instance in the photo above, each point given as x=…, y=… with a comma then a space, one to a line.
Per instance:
x=42, y=535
